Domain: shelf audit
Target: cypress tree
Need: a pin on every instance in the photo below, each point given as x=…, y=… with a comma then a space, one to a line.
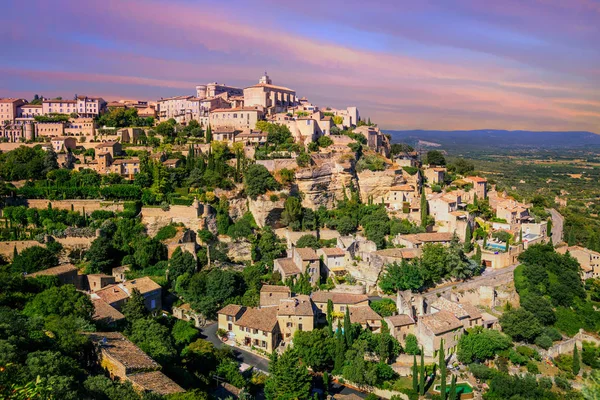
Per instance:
x=330, y=315
x=208, y=134
x=340, y=350
x=452, y=393
x=485, y=241
x=521, y=236
x=15, y=252
x=507, y=245
x=468, y=238
x=422, y=374
x=576, y=361
x=442, y=365
x=415, y=375
x=347, y=328
x=475, y=201
x=478, y=255
x=423, y=208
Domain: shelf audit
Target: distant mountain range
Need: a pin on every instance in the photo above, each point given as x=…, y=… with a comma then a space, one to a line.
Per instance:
x=498, y=139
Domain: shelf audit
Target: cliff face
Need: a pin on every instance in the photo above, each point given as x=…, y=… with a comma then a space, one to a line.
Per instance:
x=324, y=183
x=265, y=211
x=377, y=184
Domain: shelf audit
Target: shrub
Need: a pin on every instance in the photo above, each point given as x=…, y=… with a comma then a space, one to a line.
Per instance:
x=166, y=232
x=564, y=362
x=411, y=345
x=482, y=372
x=544, y=341
x=562, y=382
x=532, y=368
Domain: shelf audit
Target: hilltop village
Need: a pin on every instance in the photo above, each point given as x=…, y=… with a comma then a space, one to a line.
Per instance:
x=247, y=242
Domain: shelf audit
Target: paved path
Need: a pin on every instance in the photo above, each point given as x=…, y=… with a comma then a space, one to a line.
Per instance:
x=557, y=226
x=210, y=333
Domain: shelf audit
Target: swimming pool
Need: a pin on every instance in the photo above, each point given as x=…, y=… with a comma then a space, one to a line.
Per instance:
x=497, y=246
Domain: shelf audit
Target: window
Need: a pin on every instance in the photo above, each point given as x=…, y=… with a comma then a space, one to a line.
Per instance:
x=299, y=327
x=288, y=325
x=152, y=304
x=343, y=308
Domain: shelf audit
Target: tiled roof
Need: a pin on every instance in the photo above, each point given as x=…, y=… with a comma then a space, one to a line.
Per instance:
x=126, y=161
x=428, y=237
x=235, y=109
x=333, y=251
x=9, y=100
x=104, y=311
x=442, y=303
x=106, y=144
x=307, y=253
x=288, y=266
x=400, y=320
x=399, y=253
x=441, y=322
x=144, y=285
x=363, y=314
x=269, y=86
x=275, y=288
x=156, y=382
x=338, y=298
x=299, y=305
x=403, y=188
x=264, y=319
x=123, y=351
x=231, y=309
x=476, y=179
x=58, y=270
x=60, y=101
x=111, y=294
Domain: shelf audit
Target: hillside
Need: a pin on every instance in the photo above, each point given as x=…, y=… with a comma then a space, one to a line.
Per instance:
x=498, y=139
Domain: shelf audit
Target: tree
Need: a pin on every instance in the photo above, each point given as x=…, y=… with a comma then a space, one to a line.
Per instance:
x=183, y=332
x=540, y=306
x=62, y=301
x=292, y=213
x=442, y=365
x=288, y=379
x=33, y=259
x=411, y=346
x=520, y=324
x=340, y=349
x=399, y=277
x=348, y=328
x=346, y=225
x=424, y=210
x=576, y=360
x=257, y=180
x=415, y=375
x=154, y=339
x=135, y=307
x=422, y=375
x=481, y=344
x=452, y=393
x=330, y=314
x=435, y=157
x=102, y=255
x=315, y=348
x=181, y=262
x=209, y=136
x=468, y=239
x=384, y=307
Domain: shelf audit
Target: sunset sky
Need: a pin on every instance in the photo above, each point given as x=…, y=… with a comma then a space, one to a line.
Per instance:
x=446, y=64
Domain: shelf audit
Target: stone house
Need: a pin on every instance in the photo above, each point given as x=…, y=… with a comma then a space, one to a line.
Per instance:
x=589, y=260
x=479, y=185
x=417, y=240
x=270, y=295
x=431, y=329
x=117, y=294
x=111, y=147
x=99, y=281
x=186, y=313
x=400, y=325
x=257, y=327
x=105, y=314
x=466, y=313
x=63, y=143
x=334, y=260
x=399, y=197
x=300, y=261
x=66, y=274
x=125, y=361
x=435, y=175
x=295, y=314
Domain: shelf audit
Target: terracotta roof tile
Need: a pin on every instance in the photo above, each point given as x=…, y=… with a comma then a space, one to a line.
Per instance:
x=299, y=305
x=338, y=298
x=112, y=294
x=264, y=319
x=123, y=351
x=156, y=382
x=363, y=315
x=275, y=288
x=231, y=309
x=105, y=312
x=307, y=253
x=400, y=320
x=333, y=251
x=58, y=270
x=288, y=266
x=441, y=322
x=144, y=285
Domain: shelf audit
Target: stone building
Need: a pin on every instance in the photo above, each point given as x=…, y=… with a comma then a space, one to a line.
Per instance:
x=270, y=295
x=433, y=328
x=241, y=118
x=273, y=99
x=124, y=360
x=300, y=261
x=9, y=109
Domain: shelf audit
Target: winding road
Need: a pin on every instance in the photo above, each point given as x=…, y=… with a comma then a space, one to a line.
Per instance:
x=557, y=226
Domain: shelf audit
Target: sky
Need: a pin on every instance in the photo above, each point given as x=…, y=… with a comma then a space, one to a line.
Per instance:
x=446, y=64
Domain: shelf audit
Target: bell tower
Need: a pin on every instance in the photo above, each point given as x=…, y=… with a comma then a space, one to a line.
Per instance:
x=265, y=79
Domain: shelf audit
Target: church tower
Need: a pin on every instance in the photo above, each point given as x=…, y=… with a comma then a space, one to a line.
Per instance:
x=265, y=79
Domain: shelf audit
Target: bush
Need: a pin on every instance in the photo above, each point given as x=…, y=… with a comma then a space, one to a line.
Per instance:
x=544, y=341
x=482, y=372
x=562, y=382
x=564, y=362
x=166, y=232
x=411, y=345
x=532, y=368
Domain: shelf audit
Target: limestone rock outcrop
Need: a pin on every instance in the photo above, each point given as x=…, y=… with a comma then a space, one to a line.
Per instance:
x=377, y=184
x=324, y=183
x=265, y=211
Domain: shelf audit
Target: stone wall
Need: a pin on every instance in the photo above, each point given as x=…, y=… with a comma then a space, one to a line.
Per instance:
x=7, y=248
x=276, y=165
x=77, y=205
x=193, y=217
x=566, y=346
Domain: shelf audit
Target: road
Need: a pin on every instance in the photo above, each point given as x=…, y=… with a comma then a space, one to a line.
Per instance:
x=557, y=226
x=210, y=333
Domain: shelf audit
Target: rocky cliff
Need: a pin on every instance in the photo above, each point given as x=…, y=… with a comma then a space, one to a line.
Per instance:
x=377, y=184
x=266, y=211
x=325, y=182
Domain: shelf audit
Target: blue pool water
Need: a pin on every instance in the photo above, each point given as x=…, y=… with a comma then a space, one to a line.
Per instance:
x=497, y=246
